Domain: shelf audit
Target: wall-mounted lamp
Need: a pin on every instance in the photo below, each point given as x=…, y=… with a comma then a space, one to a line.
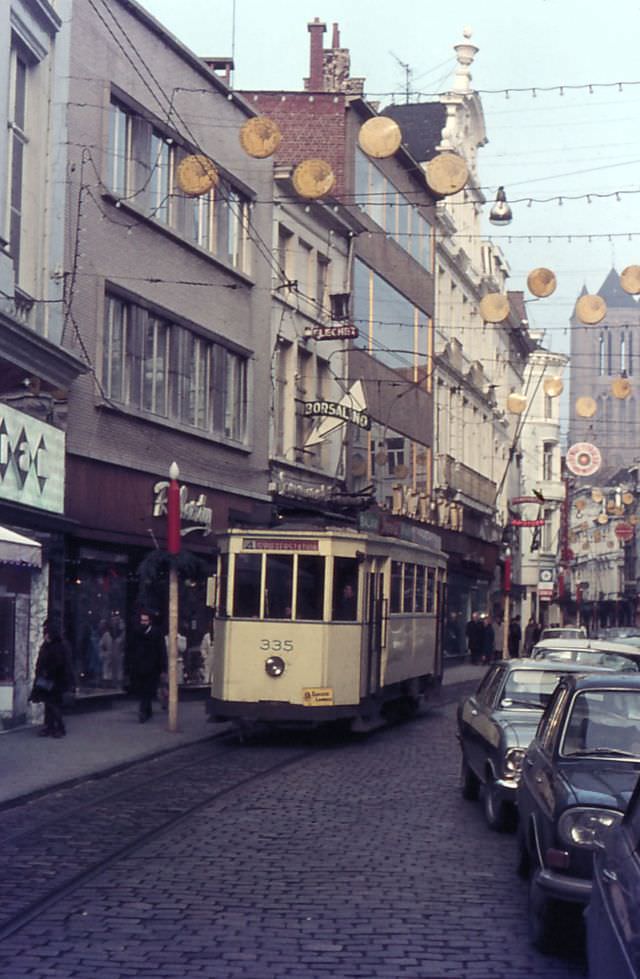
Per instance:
x=500, y=213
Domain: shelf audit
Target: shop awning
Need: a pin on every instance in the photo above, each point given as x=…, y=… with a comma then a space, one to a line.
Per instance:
x=16, y=549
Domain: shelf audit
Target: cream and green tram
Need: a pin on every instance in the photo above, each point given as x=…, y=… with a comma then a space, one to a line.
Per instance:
x=318, y=625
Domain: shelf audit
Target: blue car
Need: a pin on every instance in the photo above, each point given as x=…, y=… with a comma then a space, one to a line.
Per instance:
x=613, y=914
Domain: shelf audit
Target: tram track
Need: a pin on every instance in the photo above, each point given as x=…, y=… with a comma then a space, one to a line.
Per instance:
x=45, y=863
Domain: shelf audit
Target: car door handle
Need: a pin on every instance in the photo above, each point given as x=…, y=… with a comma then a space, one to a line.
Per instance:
x=610, y=876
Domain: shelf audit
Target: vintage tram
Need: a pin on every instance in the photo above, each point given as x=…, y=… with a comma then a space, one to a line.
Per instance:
x=322, y=624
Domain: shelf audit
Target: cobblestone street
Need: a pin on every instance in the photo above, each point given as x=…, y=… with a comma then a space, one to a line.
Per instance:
x=280, y=858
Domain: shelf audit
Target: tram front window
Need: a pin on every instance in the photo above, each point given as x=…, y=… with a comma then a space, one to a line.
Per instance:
x=310, y=586
x=279, y=586
x=246, y=588
x=345, y=589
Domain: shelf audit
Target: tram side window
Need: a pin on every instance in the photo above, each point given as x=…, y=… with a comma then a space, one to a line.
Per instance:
x=420, y=592
x=278, y=599
x=345, y=589
x=395, y=604
x=246, y=586
x=310, y=586
x=409, y=579
x=431, y=590
x=223, y=578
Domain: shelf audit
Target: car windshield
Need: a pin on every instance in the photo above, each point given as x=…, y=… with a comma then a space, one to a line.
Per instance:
x=604, y=722
x=529, y=688
x=589, y=657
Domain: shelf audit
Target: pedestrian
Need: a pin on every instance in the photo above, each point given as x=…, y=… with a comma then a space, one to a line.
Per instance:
x=531, y=635
x=206, y=652
x=147, y=660
x=474, y=632
x=488, y=640
x=106, y=651
x=52, y=679
x=515, y=637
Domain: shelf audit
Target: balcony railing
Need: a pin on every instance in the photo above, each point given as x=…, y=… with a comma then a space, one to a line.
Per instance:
x=462, y=479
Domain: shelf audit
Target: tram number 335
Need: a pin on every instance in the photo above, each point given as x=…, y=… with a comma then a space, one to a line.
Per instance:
x=276, y=645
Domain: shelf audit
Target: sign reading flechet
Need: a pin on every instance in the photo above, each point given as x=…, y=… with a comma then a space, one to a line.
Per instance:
x=32, y=456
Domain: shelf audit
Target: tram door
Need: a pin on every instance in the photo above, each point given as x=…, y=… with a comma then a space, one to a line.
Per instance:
x=375, y=626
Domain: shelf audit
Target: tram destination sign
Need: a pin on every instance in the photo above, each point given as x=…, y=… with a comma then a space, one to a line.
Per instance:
x=279, y=544
x=342, y=412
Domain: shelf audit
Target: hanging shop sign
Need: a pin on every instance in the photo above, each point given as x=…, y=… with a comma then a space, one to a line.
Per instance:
x=583, y=459
x=624, y=531
x=195, y=512
x=338, y=331
x=32, y=456
x=545, y=584
x=332, y=409
x=523, y=521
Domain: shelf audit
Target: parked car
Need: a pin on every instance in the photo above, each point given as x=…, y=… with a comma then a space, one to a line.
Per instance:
x=496, y=724
x=577, y=778
x=586, y=651
x=613, y=913
x=564, y=632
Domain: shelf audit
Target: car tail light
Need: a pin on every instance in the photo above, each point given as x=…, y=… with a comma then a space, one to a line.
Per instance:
x=559, y=859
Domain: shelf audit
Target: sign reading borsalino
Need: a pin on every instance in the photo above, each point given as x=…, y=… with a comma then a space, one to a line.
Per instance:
x=271, y=544
x=331, y=409
x=31, y=461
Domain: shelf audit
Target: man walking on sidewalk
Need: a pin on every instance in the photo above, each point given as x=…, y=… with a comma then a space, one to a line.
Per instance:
x=147, y=660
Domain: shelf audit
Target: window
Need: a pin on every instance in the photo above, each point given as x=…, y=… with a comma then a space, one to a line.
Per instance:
x=547, y=460
x=396, y=586
x=431, y=590
x=286, y=269
x=17, y=150
x=408, y=589
x=310, y=596
x=322, y=285
x=345, y=589
x=119, y=150
x=420, y=589
x=140, y=165
x=548, y=406
x=247, y=586
x=171, y=372
x=278, y=595
x=7, y=639
x=395, y=454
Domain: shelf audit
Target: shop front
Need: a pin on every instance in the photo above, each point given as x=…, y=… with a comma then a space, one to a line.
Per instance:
x=116, y=565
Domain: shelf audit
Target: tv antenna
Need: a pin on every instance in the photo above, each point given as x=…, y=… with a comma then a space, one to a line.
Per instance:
x=408, y=71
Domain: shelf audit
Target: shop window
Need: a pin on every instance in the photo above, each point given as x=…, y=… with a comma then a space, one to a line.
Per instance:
x=345, y=589
x=7, y=638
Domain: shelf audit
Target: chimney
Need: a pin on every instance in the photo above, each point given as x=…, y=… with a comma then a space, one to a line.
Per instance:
x=315, y=81
x=335, y=43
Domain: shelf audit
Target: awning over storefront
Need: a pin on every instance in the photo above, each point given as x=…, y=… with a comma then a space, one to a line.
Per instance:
x=16, y=549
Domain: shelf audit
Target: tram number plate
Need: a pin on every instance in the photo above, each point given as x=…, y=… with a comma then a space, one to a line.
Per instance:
x=318, y=696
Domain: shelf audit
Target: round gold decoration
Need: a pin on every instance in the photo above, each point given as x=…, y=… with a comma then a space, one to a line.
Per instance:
x=446, y=173
x=516, y=403
x=630, y=279
x=313, y=178
x=602, y=518
x=380, y=137
x=260, y=137
x=358, y=465
x=597, y=495
x=627, y=498
x=586, y=407
x=591, y=309
x=401, y=471
x=381, y=457
x=196, y=175
x=553, y=386
x=580, y=505
x=541, y=282
x=621, y=388
x=494, y=307
x=633, y=519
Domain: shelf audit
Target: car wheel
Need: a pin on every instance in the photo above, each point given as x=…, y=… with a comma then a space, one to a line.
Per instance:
x=495, y=810
x=468, y=782
x=543, y=917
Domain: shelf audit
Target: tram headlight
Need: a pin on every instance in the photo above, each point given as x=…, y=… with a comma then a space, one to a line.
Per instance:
x=274, y=666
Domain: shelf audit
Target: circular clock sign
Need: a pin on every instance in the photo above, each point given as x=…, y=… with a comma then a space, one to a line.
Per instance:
x=583, y=459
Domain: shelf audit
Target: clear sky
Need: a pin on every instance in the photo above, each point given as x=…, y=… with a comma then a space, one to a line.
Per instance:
x=551, y=144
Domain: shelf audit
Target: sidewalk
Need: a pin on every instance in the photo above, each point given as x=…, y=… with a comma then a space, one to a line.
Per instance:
x=105, y=740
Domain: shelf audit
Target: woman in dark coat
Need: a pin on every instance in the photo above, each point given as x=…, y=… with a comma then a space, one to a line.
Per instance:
x=51, y=680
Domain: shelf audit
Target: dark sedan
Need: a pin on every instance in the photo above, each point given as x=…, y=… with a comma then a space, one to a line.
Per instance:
x=495, y=726
x=577, y=777
x=613, y=915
